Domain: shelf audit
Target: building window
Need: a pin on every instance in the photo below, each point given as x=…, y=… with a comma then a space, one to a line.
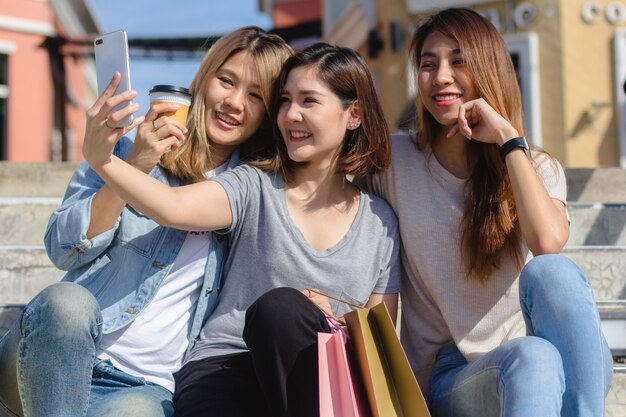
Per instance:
x=619, y=45
x=524, y=52
x=4, y=95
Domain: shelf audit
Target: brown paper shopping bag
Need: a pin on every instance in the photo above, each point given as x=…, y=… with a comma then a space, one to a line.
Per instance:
x=390, y=384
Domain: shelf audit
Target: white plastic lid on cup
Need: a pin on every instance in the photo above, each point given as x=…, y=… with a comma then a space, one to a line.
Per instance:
x=170, y=93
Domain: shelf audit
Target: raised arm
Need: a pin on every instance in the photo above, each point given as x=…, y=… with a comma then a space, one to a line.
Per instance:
x=543, y=219
x=151, y=141
x=201, y=206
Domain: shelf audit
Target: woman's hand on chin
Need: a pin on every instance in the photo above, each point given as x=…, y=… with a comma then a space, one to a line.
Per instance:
x=101, y=135
x=479, y=121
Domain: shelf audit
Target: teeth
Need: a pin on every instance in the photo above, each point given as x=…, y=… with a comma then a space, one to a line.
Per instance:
x=447, y=97
x=299, y=134
x=227, y=119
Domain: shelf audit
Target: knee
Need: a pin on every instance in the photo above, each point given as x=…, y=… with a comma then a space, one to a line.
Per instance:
x=279, y=310
x=275, y=306
x=133, y=403
x=63, y=307
x=533, y=360
x=552, y=274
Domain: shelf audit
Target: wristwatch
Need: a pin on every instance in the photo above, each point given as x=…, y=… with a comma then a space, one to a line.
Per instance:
x=513, y=144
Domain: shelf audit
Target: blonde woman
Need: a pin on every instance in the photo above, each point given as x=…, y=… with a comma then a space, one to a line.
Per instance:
x=107, y=341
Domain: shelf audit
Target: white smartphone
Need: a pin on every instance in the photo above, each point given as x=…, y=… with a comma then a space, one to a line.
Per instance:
x=111, y=50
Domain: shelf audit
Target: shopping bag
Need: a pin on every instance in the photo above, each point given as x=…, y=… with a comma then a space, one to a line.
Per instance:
x=339, y=395
x=390, y=385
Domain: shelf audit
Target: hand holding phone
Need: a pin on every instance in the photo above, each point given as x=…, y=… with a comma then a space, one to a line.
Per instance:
x=111, y=51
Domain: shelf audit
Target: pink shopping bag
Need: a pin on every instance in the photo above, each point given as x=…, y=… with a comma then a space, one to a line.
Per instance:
x=339, y=395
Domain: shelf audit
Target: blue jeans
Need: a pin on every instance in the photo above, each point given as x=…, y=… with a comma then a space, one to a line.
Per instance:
x=48, y=365
x=563, y=367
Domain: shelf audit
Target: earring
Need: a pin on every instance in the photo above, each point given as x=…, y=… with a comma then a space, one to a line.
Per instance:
x=354, y=124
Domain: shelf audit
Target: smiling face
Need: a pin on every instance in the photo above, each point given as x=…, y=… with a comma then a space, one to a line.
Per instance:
x=234, y=108
x=443, y=78
x=312, y=119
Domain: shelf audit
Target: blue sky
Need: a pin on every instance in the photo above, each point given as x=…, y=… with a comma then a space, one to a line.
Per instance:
x=157, y=18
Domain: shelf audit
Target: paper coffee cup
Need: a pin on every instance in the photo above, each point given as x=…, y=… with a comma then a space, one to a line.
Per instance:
x=172, y=94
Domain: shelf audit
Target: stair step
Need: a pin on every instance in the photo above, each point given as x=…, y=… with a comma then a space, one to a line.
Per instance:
x=605, y=267
x=23, y=220
x=597, y=224
x=49, y=179
x=613, y=317
x=606, y=185
x=40, y=179
x=616, y=399
x=24, y=271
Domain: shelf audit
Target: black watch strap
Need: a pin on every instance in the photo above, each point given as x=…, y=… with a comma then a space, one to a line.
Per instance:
x=513, y=144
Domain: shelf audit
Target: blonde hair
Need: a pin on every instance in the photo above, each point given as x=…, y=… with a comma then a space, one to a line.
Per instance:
x=269, y=51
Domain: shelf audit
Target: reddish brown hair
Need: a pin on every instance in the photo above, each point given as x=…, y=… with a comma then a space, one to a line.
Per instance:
x=489, y=226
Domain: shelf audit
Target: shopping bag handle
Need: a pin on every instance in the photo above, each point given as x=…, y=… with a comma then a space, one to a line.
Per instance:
x=334, y=298
x=335, y=323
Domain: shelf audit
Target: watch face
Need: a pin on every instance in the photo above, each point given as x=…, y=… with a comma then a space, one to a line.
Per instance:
x=525, y=142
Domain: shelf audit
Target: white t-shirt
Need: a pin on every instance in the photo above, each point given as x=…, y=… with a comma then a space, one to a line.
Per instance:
x=152, y=346
x=439, y=304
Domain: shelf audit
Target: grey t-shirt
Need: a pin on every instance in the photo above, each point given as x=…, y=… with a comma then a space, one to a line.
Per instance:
x=268, y=251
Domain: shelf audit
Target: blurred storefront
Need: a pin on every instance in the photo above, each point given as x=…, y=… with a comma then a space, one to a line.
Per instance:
x=570, y=56
x=47, y=78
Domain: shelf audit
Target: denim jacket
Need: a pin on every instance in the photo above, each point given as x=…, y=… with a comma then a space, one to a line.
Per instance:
x=125, y=266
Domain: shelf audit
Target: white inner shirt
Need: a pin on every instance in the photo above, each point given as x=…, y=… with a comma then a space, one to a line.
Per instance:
x=152, y=346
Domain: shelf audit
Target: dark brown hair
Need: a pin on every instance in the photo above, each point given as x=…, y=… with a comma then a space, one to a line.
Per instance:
x=489, y=226
x=366, y=149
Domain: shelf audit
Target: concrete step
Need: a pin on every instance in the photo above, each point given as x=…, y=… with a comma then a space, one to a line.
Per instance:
x=49, y=179
x=23, y=220
x=24, y=271
x=597, y=224
x=37, y=179
x=607, y=185
x=613, y=317
x=616, y=399
x=605, y=266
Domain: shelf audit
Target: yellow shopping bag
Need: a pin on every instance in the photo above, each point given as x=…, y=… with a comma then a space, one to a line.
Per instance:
x=390, y=384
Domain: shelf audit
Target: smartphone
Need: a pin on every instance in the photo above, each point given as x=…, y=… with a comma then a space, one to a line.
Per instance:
x=111, y=50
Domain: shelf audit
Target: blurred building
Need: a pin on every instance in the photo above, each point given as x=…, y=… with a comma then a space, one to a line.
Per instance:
x=570, y=56
x=47, y=78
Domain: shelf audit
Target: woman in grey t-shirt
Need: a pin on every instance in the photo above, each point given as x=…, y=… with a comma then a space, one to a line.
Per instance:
x=293, y=221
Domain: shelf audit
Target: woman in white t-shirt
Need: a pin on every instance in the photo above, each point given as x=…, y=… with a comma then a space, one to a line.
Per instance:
x=474, y=206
